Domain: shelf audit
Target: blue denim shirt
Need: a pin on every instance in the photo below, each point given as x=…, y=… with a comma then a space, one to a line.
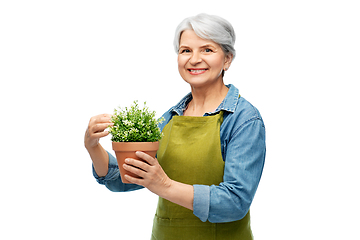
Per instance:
x=242, y=136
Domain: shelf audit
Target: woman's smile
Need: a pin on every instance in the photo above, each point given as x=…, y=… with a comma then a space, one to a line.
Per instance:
x=197, y=71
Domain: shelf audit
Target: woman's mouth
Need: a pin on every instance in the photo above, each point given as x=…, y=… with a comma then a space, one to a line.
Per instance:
x=197, y=71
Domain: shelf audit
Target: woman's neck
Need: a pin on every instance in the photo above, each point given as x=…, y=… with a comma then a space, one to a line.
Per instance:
x=206, y=99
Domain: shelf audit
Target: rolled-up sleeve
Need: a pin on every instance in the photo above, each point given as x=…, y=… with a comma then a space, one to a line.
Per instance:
x=244, y=162
x=112, y=180
x=201, y=202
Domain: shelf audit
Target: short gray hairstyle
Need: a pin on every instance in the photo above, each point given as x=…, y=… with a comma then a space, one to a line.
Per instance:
x=208, y=27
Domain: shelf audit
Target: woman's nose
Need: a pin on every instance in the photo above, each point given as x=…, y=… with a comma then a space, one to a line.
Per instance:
x=195, y=58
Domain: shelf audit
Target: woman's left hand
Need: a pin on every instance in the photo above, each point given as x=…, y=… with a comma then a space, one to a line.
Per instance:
x=152, y=175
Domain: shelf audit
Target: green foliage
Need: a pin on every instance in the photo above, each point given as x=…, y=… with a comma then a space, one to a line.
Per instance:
x=135, y=125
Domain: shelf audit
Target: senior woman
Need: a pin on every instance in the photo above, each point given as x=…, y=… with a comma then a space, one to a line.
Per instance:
x=212, y=153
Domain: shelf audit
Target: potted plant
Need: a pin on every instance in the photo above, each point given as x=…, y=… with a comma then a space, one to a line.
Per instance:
x=134, y=129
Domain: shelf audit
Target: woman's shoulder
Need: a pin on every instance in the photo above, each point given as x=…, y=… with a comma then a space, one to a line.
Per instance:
x=246, y=109
x=244, y=112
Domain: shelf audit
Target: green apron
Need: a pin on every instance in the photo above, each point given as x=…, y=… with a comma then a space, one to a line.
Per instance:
x=190, y=152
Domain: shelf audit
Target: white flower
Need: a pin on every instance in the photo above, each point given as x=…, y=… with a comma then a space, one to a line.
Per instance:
x=128, y=123
x=133, y=130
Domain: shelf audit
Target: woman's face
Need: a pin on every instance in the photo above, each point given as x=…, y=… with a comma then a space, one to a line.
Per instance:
x=201, y=61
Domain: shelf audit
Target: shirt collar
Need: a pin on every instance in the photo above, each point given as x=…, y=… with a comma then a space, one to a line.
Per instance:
x=228, y=104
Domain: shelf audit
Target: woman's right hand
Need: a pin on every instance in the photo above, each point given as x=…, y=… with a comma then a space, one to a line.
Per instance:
x=96, y=130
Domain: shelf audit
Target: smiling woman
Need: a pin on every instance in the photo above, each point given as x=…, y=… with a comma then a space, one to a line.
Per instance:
x=212, y=153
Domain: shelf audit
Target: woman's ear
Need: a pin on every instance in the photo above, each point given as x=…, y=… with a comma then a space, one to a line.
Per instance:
x=228, y=60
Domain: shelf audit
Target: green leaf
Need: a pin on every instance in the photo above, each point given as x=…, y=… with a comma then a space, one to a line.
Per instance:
x=135, y=124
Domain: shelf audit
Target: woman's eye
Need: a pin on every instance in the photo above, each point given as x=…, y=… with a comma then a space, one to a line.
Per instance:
x=185, y=51
x=208, y=50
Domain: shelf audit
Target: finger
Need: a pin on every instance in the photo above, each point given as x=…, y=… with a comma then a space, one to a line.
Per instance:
x=138, y=163
x=105, y=118
x=134, y=170
x=100, y=127
x=134, y=180
x=100, y=134
x=149, y=159
x=102, y=118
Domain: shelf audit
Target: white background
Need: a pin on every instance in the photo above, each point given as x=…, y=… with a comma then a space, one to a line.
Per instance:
x=62, y=62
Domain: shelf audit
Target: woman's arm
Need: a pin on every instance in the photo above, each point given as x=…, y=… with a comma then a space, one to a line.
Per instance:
x=244, y=162
x=95, y=131
x=100, y=159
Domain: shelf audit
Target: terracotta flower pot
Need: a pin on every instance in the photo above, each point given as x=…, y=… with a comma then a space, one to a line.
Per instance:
x=125, y=150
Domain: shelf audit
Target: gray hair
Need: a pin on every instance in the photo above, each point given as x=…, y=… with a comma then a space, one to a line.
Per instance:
x=208, y=27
